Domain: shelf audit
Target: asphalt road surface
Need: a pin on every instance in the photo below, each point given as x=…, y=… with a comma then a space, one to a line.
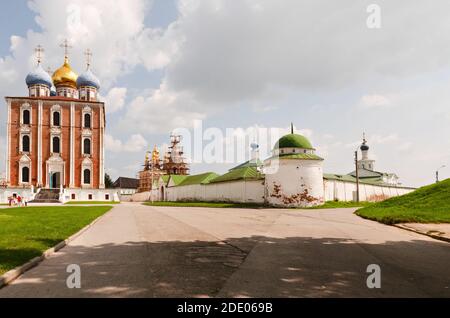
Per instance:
x=139, y=251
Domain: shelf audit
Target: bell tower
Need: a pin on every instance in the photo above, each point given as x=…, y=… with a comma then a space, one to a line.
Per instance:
x=365, y=162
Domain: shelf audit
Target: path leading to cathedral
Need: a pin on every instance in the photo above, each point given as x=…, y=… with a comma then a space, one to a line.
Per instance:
x=140, y=251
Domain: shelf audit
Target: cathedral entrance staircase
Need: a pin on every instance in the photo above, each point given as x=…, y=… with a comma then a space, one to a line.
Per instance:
x=47, y=196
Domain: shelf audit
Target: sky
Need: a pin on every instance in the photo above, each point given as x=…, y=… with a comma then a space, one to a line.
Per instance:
x=170, y=65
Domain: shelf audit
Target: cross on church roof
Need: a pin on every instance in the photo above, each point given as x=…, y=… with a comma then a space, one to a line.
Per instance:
x=39, y=50
x=66, y=47
x=88, y=54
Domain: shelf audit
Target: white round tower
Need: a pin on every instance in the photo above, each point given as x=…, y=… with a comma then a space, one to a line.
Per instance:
x=294, y=175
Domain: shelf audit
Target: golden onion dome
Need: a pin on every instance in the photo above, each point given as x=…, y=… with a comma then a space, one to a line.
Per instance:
x=65, y=76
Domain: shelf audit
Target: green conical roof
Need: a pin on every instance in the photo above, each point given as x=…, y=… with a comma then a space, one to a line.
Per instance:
x=293, y=141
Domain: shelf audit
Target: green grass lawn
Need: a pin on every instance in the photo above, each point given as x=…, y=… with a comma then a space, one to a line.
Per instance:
x=91, y=202
x=27, y=232
x=341, y=204
x=205, y=204
x=429, y=204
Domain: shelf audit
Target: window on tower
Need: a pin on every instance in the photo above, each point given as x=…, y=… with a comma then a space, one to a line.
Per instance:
x=56, y=119
x=87, y=146
x=25, y=174
x=87, y=120
x=87, y=176
x=55, y=145
x=26, y=143
x=26, y=117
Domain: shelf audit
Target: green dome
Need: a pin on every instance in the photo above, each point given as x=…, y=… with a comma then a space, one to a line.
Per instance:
x=293, y=141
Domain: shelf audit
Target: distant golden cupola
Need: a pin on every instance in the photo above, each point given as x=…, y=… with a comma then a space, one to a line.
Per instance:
x=155, y=155
x=65, y=76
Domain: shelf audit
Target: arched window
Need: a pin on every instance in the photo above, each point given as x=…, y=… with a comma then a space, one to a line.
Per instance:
x=26, y=117
x=25, y=174
x=87, y=146
x=87, y=120
x=56, y=119
x=87, y=176
x=26, y=143
x=56, y=146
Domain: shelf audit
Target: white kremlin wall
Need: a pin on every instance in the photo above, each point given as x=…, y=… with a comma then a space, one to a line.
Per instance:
x=23, y=192
x=336, y=190
x=231, y=191
x=106, y=195
x=254, y=191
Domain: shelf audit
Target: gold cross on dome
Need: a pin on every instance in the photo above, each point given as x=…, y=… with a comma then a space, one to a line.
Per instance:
x=66, y=47
x=39, y=50
x=88, y=54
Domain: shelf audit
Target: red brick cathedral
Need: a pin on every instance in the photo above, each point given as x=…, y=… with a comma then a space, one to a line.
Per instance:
x=55, y=134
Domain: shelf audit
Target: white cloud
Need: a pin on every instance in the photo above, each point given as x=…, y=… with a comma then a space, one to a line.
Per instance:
x=314, y=45
x=156, y=48
x=383, y=139
x=405, y=146
x=135, y=143
x=113, y=30
x=7, y=72
x=377, y=139
x=162, y=110
x=374, y=101
x=115, y=99
x=257, y=108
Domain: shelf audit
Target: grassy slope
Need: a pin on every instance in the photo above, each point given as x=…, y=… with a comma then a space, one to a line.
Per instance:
x=429, y=204
x=91, y=202
x=204, y=204
x=341, y=204
x=27, y=232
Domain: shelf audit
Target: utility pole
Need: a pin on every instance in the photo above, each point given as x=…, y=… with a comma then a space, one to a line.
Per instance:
x=357, y=176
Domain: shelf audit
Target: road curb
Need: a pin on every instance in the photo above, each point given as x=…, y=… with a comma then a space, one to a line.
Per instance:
x=13, y=274
x=437, y=237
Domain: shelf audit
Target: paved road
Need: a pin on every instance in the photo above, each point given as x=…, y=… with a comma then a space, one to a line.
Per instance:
x=138, y=251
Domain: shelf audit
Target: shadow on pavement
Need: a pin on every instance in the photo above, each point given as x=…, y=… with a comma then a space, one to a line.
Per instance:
x=254, y=266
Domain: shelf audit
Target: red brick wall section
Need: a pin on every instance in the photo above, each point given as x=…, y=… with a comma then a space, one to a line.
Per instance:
x=65, y=140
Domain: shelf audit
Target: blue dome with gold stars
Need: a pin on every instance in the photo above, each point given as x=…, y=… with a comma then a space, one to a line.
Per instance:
x=88, y=79
x=39, y=77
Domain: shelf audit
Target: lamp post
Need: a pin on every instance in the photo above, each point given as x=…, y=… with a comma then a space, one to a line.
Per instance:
x=437, y=172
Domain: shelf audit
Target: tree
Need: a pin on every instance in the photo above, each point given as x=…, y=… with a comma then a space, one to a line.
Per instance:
x=108, y=181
